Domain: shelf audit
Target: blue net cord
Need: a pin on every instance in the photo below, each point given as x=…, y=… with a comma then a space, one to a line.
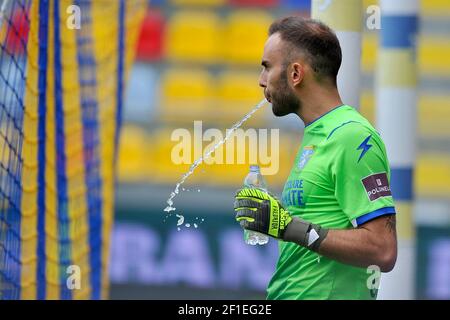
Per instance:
x=13, y=43
x=61, y=167
x=91, y=143
x=42, y=111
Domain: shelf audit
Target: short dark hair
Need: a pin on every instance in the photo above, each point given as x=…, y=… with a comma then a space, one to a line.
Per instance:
x=315, y=40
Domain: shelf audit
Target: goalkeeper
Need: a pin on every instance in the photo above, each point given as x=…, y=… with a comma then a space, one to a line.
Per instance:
x=337, y=215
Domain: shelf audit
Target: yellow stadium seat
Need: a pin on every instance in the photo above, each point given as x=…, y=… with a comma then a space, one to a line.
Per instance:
x=186, y=94
x=433, y=54
x=166, y=168
x=432, y=114
x=432, y=178
x=232, y=175
x=367, y=106
x=428, y=8
x=202, y=3
x=245, y=35
x=367, y=3
x=435, y=8
x=193, y=36
x=238, y=92
x=133, y=154
x=370, y=43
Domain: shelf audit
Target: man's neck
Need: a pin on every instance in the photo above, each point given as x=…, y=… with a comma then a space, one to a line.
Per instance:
x=318, y=102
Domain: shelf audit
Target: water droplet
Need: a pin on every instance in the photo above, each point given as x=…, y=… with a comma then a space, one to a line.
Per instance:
x=178, y=229
x=198, y=190
x=195, y=225
x=168, y=209
x=180, y=220
x=188, y=225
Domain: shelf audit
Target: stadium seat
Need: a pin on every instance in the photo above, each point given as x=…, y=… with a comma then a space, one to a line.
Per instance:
x=156, y=3
x=369, y=52
x=145, y=157
x=232, y=175
x=432, y=114
x=165, y=170
x=367, y=106
x=193, y=36
x=433, y=54
x=186, y=94
x=142, y=93
x=17, y=32
x=199, y=3
x=255, y=3
x=435, y=8
x=299, y=5
x=238, y=92
x=432, y=178
x=245, y=35
x=151, y=38
x=133, y=154
x=367, y=3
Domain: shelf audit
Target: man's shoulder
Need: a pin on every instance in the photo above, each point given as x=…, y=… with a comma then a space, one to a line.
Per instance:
x=353, y=134
x=352, y=129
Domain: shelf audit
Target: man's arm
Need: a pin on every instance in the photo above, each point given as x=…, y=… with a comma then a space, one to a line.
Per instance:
x=373, y=243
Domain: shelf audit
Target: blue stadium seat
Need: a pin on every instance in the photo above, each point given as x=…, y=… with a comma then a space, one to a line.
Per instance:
x=300, y=5
x=254, y=3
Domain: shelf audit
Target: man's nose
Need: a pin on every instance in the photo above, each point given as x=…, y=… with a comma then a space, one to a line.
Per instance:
x=262, y=80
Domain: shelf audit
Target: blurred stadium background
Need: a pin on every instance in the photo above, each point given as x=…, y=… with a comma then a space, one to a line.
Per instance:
x=177, y=78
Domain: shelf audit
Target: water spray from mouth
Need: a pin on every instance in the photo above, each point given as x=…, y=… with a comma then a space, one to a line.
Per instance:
x=197, y=162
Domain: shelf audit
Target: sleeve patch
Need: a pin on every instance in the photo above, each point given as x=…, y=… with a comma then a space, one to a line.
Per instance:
x=376, y=186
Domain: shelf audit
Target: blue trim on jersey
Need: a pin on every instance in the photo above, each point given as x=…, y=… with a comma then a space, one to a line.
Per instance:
x=402, y=183
x=374, y=214
x=332, y=131
x=306, y=125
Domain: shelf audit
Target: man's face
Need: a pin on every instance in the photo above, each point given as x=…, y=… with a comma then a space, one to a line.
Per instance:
x=274, y=78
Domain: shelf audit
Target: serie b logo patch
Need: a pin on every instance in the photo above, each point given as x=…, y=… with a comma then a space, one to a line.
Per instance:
x=376, y=186
x=307, y=153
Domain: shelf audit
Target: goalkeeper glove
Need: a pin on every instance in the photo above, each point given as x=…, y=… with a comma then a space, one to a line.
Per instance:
x=260, y=211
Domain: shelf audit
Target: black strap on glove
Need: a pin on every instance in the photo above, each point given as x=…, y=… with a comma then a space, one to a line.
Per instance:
x=305, y=234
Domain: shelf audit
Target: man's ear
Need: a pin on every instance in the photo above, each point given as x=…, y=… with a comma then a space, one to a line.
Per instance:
x=297, y=73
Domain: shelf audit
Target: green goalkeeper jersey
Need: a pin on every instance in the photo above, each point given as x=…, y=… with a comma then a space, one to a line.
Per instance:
x=340, y=180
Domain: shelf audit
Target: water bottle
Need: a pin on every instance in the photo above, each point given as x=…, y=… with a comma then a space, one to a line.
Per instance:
x=254, y=179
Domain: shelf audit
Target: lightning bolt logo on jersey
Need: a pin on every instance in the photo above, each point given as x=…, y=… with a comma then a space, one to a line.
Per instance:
x=364, y=146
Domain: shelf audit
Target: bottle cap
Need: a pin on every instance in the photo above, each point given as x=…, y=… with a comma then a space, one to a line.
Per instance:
x=254, y=168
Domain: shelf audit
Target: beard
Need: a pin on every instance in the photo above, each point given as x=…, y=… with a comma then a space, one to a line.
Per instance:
x=284, y=101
